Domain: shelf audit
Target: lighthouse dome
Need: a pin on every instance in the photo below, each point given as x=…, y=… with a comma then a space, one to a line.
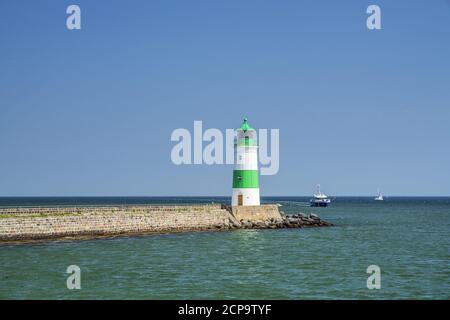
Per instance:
x=245, y=126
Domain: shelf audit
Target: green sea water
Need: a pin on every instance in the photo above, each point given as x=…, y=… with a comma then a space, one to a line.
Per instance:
x=408, y=238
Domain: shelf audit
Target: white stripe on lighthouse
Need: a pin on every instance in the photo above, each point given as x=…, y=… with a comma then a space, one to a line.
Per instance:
x=246, y=158
x=250, y=196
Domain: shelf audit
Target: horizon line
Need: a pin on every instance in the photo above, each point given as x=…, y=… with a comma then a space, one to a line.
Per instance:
x=209, y=196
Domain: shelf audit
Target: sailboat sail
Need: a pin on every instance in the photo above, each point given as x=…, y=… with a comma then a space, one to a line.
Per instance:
x=380, y=196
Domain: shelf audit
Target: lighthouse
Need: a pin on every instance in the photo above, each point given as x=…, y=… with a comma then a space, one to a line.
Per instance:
x=245, y=173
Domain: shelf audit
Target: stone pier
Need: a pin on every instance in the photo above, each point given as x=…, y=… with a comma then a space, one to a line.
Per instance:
x=17, y=224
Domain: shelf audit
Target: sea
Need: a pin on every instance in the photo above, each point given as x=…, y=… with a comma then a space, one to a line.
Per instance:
x=406, y=239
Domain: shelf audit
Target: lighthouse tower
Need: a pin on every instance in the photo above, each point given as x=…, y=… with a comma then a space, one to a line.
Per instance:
x=245, y=174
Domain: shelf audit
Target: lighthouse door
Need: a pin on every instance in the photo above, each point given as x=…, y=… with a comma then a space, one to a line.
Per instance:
x=240, y=200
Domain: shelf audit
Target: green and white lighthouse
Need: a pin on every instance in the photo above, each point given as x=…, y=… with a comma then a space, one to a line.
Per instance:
x=245, y=174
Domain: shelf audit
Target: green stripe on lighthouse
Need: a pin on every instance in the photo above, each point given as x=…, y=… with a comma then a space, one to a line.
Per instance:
x=245, y=179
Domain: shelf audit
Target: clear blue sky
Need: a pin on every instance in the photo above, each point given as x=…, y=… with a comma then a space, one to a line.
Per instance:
x=90, y=112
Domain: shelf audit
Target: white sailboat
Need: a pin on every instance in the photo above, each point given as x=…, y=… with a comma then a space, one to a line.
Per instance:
x=379, y=197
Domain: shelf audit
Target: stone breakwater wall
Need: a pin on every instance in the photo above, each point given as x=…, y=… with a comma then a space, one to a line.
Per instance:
x=46, y=223
x=17, y=224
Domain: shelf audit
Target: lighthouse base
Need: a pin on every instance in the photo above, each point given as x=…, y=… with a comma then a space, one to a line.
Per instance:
x=245, y=197
x=255, y=213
